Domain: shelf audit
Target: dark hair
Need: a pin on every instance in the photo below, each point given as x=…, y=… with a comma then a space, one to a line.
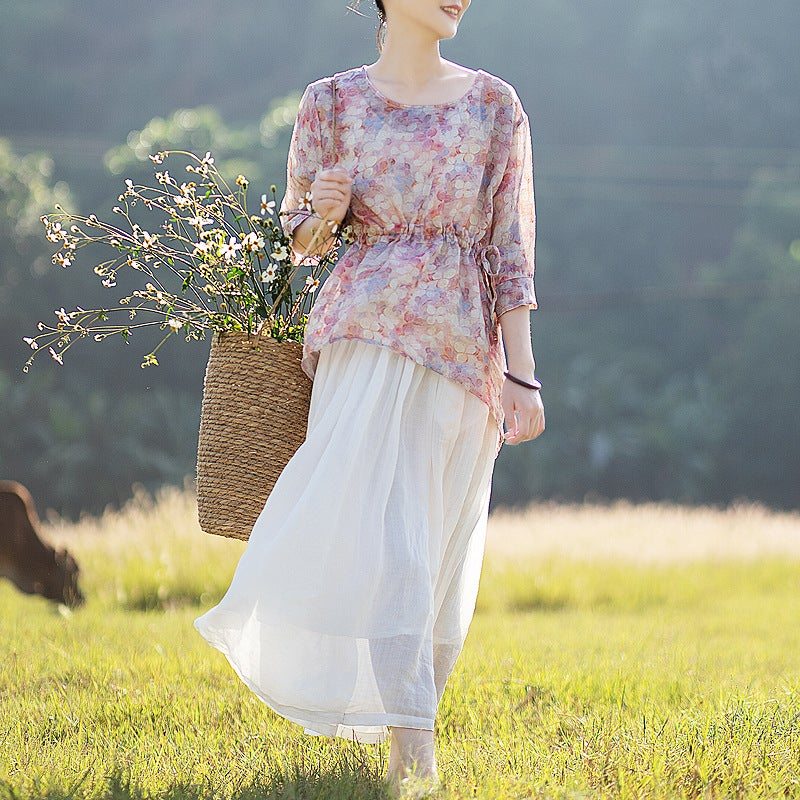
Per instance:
x=380, y=33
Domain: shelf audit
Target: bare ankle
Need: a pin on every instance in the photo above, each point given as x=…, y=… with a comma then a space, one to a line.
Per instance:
x=412, y=752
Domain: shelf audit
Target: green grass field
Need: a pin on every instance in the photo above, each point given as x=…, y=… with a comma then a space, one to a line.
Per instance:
x=624, y=651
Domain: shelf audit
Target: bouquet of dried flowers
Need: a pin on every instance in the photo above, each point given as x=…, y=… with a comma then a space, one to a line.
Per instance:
x=216, y=267
x=213, y=267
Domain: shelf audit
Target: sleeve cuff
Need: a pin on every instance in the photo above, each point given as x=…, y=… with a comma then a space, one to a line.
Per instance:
x=292, y=220
x=514, y=292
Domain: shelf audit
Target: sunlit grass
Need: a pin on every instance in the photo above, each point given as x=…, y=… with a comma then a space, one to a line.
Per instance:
x=616, y=652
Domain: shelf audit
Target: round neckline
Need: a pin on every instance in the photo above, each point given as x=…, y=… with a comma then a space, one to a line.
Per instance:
x=382, y=96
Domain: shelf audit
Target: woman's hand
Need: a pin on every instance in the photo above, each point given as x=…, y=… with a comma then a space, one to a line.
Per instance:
x=524, y=411
x=331, y=191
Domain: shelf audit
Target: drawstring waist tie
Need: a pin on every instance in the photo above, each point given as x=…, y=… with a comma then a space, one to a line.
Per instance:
x=489, y=273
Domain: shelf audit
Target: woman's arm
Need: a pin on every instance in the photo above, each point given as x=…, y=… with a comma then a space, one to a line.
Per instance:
x=516, y=327
x=523, y=407
x=314, y=196
x=304, y=233
x=514, y=233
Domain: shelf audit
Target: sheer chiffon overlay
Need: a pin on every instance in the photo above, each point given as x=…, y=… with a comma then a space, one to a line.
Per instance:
x=352, y=600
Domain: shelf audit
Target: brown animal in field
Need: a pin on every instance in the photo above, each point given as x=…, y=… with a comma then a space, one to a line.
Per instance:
x=31, y=564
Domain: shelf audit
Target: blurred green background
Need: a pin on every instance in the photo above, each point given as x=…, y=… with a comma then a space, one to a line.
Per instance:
x=667, y=169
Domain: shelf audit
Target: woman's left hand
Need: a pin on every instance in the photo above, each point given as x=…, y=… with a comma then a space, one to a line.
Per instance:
x=524, y=412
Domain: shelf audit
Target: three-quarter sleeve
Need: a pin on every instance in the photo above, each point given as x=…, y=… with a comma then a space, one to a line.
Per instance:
x=513, y=229
x=305, y=157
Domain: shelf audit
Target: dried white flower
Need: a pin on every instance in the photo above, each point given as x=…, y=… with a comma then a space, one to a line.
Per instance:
x=267, y=207
x=253, y=242
x=228, y=251
x=269, y=274
x=281, y=253
x=149, y=239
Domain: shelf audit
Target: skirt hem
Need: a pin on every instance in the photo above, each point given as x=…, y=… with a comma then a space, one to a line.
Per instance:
x=375, y=725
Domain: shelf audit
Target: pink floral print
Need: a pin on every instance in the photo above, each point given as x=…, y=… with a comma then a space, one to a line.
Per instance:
x=444, y=220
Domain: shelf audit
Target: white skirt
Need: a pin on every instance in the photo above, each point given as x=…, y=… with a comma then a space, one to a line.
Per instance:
x=351, y=602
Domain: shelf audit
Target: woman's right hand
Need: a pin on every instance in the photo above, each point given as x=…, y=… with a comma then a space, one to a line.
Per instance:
x=331, y=191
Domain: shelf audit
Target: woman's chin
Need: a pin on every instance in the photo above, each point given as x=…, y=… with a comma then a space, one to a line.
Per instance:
x=446, y=31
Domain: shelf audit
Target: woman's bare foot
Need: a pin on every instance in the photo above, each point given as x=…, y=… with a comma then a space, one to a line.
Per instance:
x=412, y=761
x=413, y=788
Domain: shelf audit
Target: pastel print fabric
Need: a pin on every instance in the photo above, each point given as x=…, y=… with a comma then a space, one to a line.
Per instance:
x=514, y=223
x=305, y=157
x=443, y=216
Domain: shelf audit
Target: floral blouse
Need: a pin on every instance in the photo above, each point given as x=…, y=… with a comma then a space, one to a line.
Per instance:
x=442, y=211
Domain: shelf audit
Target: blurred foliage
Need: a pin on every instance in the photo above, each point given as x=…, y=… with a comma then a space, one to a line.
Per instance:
x=247, y=149
x=668, y=207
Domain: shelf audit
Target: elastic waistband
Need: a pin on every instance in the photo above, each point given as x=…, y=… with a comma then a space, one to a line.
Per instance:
x=463, y=237
x=489, y=272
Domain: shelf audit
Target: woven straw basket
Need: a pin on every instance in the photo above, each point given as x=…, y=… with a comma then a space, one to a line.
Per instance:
x=254, y=417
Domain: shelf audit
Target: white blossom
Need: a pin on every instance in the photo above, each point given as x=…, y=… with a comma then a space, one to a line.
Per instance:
x=267, y=206
x=269, y=274
x=228, y=251
x=281, y=253
x=253, y=242
x=149, y=239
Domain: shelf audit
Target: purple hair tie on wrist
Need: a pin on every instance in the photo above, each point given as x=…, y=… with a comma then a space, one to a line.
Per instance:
x=535, y=385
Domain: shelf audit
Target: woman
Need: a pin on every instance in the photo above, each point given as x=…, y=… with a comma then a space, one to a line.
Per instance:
x=350, y=606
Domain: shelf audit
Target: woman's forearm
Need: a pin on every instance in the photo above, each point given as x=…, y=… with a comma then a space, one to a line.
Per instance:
x=516, y=329
x=304, y=232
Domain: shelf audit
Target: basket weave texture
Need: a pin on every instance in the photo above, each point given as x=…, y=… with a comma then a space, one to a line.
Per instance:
x=254, y=417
